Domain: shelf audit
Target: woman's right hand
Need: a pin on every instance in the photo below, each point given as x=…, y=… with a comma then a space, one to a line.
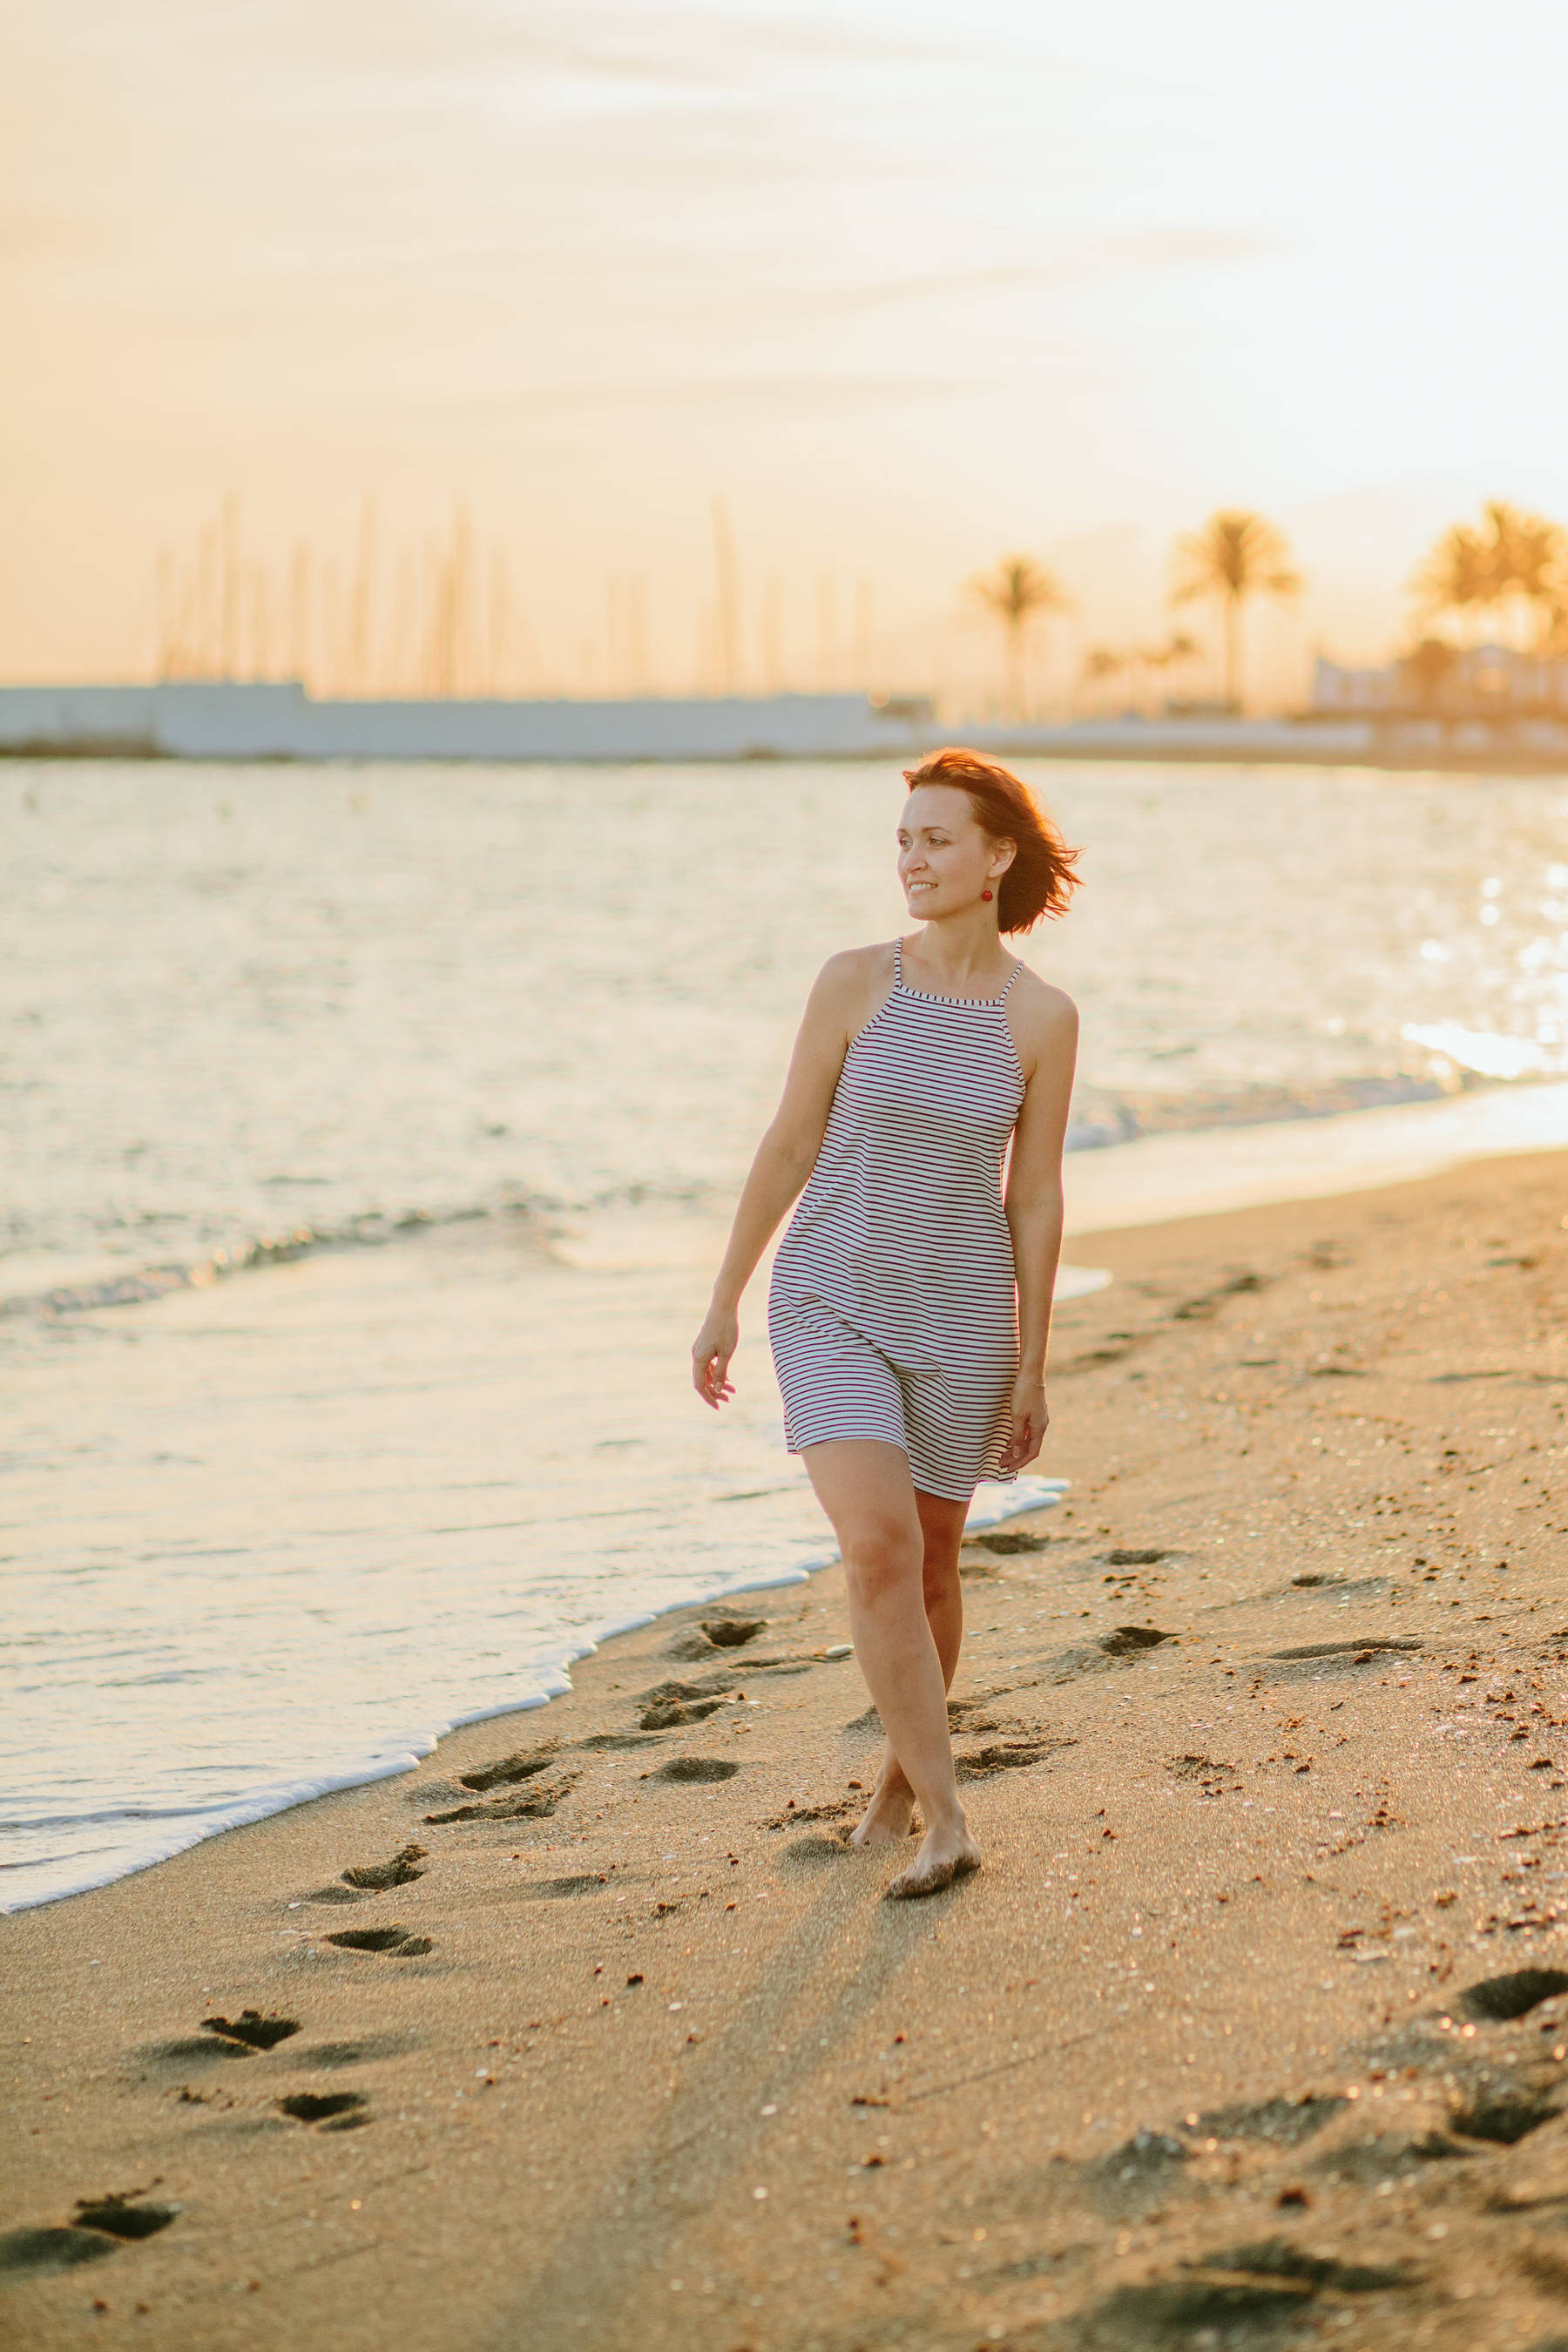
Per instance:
x=714, y=1345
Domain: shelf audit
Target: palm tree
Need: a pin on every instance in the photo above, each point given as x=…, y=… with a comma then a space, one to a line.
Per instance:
x=1531, y=564
x=1174, y=654
x=1459, y=576
x=1015, y=591
x=1180, y=649
x=1426, y=669
x=1511, y=559
x=1235, y=556
x=1100, y=665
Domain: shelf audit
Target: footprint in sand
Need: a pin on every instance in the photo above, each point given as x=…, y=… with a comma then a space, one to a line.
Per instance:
x=120, y=2215
x=832, y=1809
x=372, y=1878
x=1260, y=2284
x=1006, y=1756
x=1282, y=2123
x=808, y=1851
x=670, y=1714
x=506, y=1772
x=732, y=1632
x=968, y=1715
x=535, y=1804
x=1098, y=1657
x=694, y=1768
x=713, y=1633
x=1366, y=2162
x=378, y=1876
x=34, y=2253
x=256, y=2032
x=1501, y=1999
x=1126, y=1640
x=99, y=2224
x=396, y=1940
x=1505, y=2117
x=1141, y=2173
x=354, y=2053
x=1319, y=1661
x=338, y=2110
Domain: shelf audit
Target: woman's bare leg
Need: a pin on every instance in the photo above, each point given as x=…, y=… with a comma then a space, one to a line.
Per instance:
x=864, y=1486
x=891, y=1809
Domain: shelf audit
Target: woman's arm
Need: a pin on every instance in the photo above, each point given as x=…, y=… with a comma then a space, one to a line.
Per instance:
x=1035, y=1210
x=840, y=1003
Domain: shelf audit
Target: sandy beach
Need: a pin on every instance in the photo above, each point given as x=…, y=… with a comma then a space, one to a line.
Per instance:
x=592, y=2033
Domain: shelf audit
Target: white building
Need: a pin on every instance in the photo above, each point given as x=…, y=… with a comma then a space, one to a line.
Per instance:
x=1481, y=681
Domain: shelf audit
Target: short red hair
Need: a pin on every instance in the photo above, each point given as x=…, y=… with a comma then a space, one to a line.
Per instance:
x=1040, y=880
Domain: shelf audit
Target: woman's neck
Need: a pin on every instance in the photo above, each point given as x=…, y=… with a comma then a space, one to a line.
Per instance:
x=960, y=950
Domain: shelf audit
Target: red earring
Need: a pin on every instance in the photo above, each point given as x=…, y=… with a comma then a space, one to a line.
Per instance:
x=985, y=894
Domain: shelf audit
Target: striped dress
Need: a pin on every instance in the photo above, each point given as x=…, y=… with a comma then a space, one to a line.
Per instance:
x=892, y=1312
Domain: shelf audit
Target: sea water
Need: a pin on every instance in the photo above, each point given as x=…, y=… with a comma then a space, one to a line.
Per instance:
x=368, y=1137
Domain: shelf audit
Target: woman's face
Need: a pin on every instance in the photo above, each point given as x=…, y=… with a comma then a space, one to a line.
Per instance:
x=945, y=860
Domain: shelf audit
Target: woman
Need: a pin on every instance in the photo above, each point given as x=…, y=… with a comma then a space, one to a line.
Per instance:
x=911, y=1304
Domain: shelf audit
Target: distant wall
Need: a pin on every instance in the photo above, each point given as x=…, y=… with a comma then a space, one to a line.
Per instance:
x=203, y=721
x=1179, y=739
x=216, y=721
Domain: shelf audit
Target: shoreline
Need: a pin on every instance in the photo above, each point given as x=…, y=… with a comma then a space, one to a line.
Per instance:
x=1551, y=764
x=1109, y=1194
x=1255, y=743
x=1380, y=1373
x=993, y=1511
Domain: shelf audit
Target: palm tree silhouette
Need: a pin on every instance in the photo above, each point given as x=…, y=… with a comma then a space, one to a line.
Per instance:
x=1458, y=577
x=1015, y=591
x=1425, y=671
x=1235, y=556
x=1532, y=562
x=1100, y=665
x=1179, y=650
x=1511, y=560
x=1174, y=654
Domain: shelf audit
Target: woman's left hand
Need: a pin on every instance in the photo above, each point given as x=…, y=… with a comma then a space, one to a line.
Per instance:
x=1030, y=1419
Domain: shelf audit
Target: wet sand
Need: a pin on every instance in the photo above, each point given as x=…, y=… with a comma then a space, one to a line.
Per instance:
x=1266, y=1738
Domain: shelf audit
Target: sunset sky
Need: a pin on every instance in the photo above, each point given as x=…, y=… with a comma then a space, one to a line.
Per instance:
x=909, y=286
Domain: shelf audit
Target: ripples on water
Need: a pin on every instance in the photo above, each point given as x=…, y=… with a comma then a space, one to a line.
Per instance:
x=246, y=1004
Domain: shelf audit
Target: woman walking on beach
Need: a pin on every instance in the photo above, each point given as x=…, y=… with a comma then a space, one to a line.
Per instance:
x=911, y=1302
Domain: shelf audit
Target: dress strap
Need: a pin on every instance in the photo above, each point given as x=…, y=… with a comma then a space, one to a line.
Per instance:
x=1012, y=976
x=898, y=963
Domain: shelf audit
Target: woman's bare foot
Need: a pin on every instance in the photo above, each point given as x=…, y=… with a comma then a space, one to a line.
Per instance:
x=945, y=1854
x=889, y=1816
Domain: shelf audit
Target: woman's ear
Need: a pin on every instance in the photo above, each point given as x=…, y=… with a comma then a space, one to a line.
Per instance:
x=1007, y=851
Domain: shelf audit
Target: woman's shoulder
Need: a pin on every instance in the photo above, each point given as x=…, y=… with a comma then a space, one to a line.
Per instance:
x=853, y=972
x=1043, y=1017
x=1041, y=1002
x=862, y=964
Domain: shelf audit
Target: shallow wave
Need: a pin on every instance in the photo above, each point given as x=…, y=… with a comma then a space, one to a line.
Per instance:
x=1101, y=1118
x=1104, y=1118
x=138, y=1284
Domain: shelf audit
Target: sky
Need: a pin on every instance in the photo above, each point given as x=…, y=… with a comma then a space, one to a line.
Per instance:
x=908, y=287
